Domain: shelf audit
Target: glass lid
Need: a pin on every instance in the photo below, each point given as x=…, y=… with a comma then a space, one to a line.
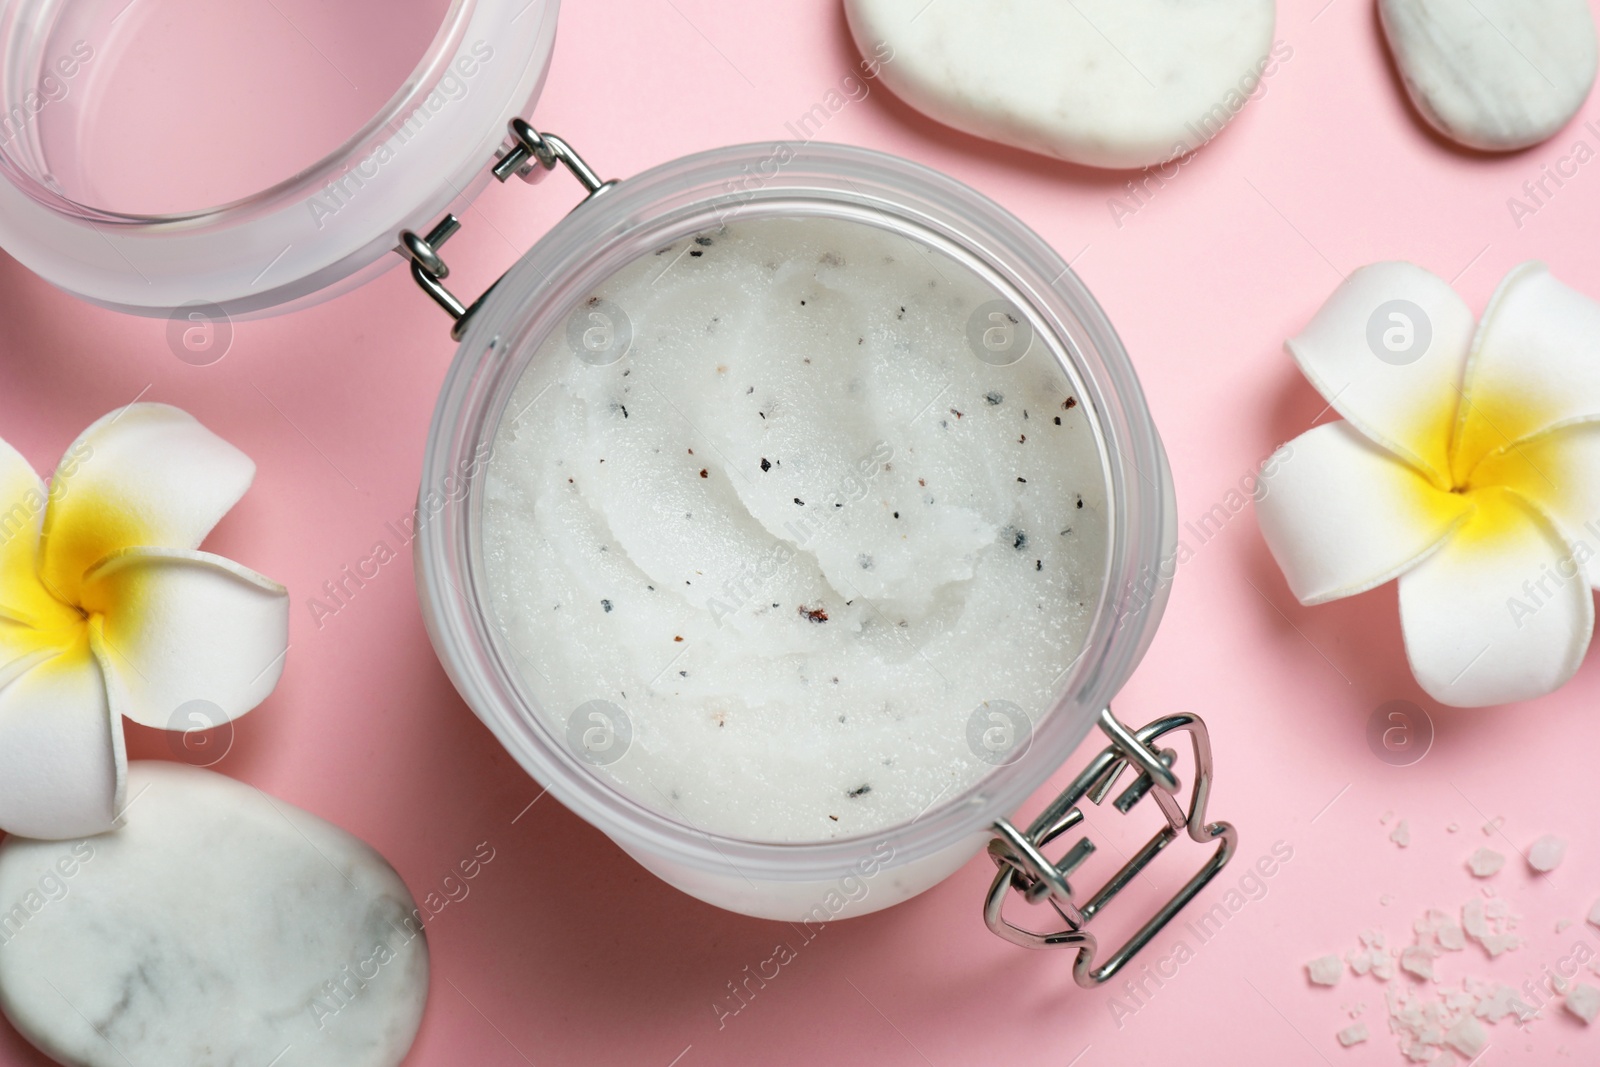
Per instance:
x=254, y=154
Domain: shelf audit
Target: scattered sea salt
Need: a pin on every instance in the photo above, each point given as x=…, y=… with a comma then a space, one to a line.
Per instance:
x=1402, y=834
x=1492, y=827
x=1353, y=1034
x=1485, y=861
x=1547, y=853
x=1325, y=970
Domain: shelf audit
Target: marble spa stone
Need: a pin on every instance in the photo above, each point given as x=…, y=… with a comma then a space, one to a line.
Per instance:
x=217, y=927
x=1106, y=83
x=1496, y=75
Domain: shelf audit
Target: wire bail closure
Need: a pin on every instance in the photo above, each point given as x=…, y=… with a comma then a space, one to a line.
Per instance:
x=530, y=155
x=1024, y=868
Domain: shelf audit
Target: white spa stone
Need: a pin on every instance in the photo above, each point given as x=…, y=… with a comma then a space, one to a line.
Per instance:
x=217, y=927
x=1496, y=75
x=1107, y=83
x=801, y=536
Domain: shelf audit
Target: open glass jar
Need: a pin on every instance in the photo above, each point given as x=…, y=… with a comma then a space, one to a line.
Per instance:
x=436, y=140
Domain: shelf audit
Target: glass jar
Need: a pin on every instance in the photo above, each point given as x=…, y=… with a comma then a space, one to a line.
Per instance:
x=699, y=193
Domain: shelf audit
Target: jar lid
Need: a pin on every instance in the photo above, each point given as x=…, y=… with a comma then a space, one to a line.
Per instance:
x=174, y=153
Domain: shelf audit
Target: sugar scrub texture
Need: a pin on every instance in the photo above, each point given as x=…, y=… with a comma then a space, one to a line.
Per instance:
x=800, y=535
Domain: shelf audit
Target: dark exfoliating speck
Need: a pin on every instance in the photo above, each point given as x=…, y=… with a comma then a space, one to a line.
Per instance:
x=766, y=464
x=607, y=605
x=993, y=397
x=1080, y=502
x=1018, y=538
x=696, y=253
x=814, y=614
x=703, y=242
x=1058, y=420
x=1069, y=403
x=704, y=473
x=859, y=791
x=1038, y=564
x=797, y=500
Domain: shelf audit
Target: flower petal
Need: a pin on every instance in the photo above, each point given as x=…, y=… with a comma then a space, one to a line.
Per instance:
x=1559, y=473
x=23, y=599
x=1388, y=351
x=148, y=474
x=184, y=626
x=1535, y=365
x=1342, y=515
x=1500, y=613
x=62, y=763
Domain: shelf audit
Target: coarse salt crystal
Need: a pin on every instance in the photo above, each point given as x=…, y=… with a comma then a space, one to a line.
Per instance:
x=1584, y=1002
x=1353, y=1035
x=1325, y=970
x=1402, y=834
x=1485, y=861
x=1437, y=929
x=1418, y=960
x=1547, y=853
x=1467, y=1037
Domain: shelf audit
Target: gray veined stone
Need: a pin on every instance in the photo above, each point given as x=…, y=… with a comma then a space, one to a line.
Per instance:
x=218, y=927
x=1106, y=83
x=1496, y=75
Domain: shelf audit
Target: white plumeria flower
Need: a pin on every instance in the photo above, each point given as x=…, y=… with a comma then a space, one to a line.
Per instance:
x=107, y=610
x=1467, y=466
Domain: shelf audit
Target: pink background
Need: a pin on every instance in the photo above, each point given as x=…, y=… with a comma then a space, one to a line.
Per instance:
x=565, y=951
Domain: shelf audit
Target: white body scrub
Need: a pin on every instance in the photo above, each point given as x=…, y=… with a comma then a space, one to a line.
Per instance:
x=799, y=534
